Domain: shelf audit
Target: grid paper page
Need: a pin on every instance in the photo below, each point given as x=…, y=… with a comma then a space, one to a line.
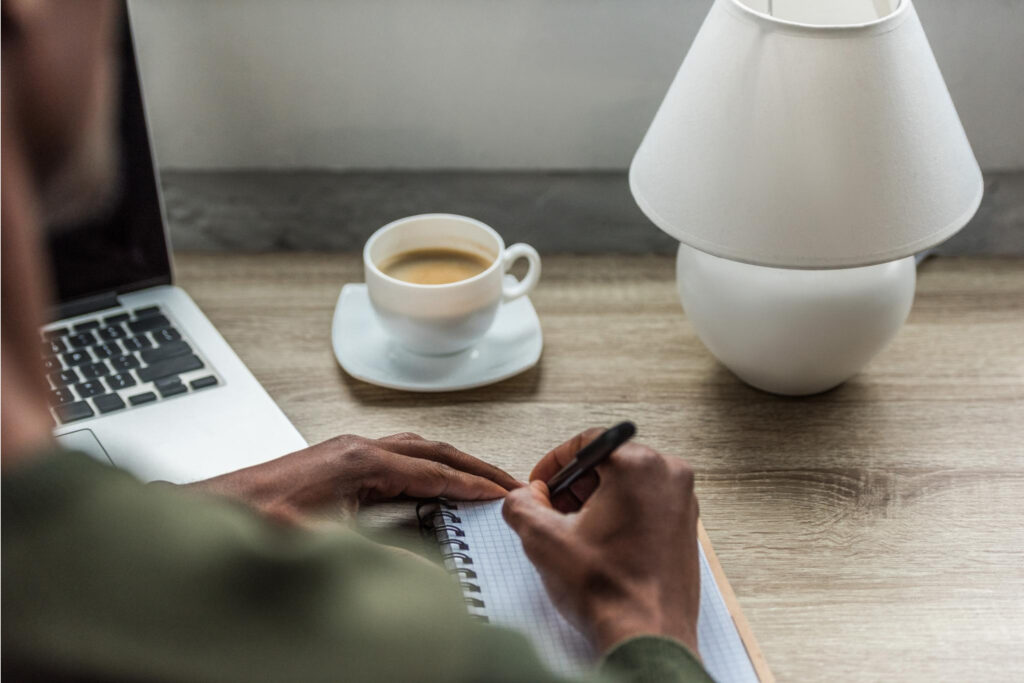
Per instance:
x=514, y=596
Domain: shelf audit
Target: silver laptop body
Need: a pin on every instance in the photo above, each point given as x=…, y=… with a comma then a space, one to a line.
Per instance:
x=139, y=377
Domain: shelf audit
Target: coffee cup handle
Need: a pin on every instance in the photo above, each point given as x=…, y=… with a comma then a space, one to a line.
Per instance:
x=529, y=281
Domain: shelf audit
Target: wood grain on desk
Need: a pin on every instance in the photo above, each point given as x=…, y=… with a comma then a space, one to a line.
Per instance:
x=872, y=532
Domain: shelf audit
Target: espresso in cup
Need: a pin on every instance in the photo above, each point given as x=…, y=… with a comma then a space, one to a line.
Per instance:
x=434, y=266
x=436, y=281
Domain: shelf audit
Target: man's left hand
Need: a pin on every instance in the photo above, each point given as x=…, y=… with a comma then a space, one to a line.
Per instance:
x=343, y=472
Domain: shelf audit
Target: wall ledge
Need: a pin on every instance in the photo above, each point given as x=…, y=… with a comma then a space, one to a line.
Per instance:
x=571, y=211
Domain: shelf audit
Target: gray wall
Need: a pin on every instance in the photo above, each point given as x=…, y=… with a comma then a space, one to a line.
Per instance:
x=480, y=84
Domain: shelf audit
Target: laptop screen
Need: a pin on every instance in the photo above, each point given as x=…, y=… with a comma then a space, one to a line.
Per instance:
x=124, y=248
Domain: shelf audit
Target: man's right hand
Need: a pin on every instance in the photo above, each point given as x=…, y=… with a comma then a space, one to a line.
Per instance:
x=618, y=552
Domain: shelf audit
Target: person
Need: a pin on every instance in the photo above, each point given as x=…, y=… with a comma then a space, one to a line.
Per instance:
x=105, y=578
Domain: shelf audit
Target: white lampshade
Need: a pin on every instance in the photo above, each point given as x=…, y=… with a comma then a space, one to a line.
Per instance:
x=807, y=146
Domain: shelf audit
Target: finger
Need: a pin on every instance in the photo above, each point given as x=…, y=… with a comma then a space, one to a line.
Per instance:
x=414, y=447
x=560, y=456
x=579, y=491
x=403, y=436
x=542, y=529
x=632, y=468
x=399, y=475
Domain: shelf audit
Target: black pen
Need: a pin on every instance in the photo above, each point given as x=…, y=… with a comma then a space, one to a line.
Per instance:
x=590, y=456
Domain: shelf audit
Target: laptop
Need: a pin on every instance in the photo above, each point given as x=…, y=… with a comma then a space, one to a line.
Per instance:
x=139, y=377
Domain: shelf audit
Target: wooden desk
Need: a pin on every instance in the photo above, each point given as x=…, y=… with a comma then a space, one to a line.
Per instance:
x=873, y=532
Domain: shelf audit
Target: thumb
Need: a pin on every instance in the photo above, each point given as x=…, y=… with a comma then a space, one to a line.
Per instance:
x=527, y=499
x=541, y=527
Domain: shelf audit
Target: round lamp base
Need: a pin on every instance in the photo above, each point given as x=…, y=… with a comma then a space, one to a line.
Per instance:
x=793, y=332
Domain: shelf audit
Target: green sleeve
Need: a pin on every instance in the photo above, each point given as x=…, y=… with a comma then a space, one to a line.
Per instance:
x=107, y=579
x=653, y=658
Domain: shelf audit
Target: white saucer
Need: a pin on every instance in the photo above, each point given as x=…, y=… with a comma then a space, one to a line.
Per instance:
x=365, y=351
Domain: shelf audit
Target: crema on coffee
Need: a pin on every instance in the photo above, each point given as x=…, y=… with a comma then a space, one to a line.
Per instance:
x=434, y=266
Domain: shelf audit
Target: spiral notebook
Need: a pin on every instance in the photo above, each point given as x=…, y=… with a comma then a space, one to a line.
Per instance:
x=502, y=587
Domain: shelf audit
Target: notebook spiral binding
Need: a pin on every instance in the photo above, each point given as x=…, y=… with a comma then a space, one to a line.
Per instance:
x=441, y=518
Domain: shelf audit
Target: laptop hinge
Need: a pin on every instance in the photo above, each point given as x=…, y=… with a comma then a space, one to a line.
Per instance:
x=84, y=305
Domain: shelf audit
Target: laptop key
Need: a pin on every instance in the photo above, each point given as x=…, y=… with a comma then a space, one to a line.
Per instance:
x=90, y=387
x=122, y=380
x=139, y=399
x=137, y=343
x=153, y=322
x=64, y=377
x=83, y=339
x=165, y=382
x=113, y=332
x=204, y=382
x=168, y=350
x=56, y=332
x=115, y=319
x=69, y=412
x=54, y=346
x=168, y=334
x=94, y=370
x=171, y=366
x=73, y=358
x=122, y=363
x=106, y=350
x=174, y=390
x=51, y=364
x=147, y=311
x=170, y=386
x=61, y=395
x=108, y=403
x=86, y=325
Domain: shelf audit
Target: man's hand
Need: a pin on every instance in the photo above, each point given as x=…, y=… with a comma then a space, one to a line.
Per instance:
x=619, y=555
x=339, y=474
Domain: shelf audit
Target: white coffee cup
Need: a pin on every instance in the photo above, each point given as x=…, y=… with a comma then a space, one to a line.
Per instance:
x=443, y=319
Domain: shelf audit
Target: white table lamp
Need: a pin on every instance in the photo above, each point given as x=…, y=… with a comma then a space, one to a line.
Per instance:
x=808, y=150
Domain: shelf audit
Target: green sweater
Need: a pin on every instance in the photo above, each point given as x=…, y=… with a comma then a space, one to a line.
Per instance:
x=107, y=579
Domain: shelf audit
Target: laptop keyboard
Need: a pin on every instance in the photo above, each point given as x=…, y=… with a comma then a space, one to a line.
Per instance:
x=119, y=361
